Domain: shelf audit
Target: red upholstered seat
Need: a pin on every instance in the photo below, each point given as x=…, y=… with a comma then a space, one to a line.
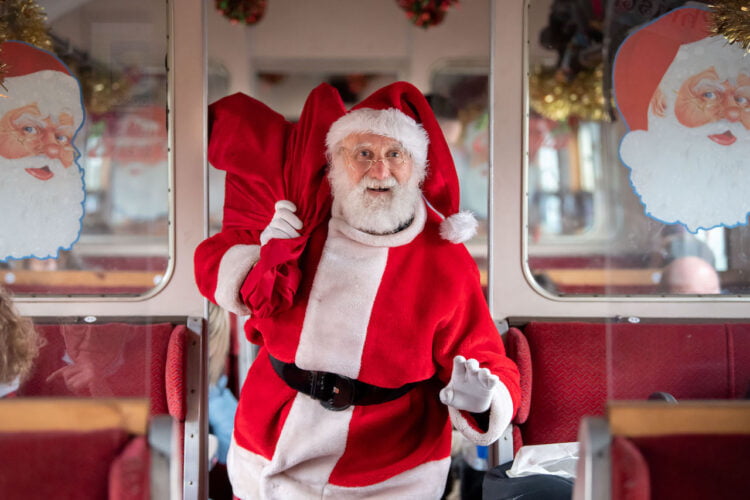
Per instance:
x=129, y=473
x=630, y=479
x=688, y=467
x=175, y=373
x=517, y=349
x=577, y=367
x=569, y=379
x=738, y=344
x=116, y=360
x=70, y=465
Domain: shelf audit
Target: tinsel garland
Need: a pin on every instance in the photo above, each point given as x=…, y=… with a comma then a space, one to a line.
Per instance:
x=23, y=20
x=103, y=88
x=731, y=19
x=242, y=11
x=554, y=97
x=426, y=13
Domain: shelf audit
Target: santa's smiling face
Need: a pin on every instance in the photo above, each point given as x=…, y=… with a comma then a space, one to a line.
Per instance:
x=375, y=183
x=41, y=185
x=692, y=165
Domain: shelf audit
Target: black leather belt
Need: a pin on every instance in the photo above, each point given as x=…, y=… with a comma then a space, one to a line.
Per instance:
x=335, y=392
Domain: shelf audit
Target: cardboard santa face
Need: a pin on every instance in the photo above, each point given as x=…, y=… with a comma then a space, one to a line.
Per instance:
x=685, y=96
x=41, y=182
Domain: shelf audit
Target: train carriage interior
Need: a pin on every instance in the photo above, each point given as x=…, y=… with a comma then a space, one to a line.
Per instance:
x=620, y=291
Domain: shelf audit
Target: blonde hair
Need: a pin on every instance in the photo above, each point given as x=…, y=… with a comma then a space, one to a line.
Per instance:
x=19, y=342
x=218, y=342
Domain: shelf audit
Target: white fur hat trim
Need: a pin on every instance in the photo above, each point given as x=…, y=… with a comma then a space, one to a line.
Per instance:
x=459, y=227
x=386, y=122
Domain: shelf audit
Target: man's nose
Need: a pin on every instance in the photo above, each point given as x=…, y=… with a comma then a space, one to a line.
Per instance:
x=49, y=145
x=380, y=169
x=731, y=109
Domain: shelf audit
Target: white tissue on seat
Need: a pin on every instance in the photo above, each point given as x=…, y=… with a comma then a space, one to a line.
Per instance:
x=558, y=459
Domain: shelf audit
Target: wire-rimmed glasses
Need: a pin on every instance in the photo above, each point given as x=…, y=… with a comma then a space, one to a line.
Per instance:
x=363, y=158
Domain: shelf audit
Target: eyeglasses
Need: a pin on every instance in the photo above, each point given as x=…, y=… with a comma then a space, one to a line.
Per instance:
x=363, y=158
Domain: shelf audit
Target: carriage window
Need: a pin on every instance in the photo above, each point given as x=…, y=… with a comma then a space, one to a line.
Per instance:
x=87, y=205
x=623, y=191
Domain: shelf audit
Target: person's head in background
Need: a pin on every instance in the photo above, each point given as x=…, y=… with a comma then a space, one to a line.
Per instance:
x=19, y=345
x=689, y=275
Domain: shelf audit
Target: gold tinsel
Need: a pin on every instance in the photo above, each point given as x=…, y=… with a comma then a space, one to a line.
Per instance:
x=22, y=20
x=103, y=88
x=731, y=19
x=554, y=97
x=25, y=20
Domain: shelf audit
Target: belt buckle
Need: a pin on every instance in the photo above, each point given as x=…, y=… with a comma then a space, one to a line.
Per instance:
x=335, y=392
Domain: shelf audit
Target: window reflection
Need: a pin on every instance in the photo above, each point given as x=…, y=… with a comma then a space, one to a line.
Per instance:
x=587, y=230
x=118, y=56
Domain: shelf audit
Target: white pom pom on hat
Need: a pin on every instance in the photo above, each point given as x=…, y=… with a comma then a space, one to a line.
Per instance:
x=401, y=112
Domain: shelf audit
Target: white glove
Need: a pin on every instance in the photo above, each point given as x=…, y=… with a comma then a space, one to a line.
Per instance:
x=470, y=387
x=284, y=223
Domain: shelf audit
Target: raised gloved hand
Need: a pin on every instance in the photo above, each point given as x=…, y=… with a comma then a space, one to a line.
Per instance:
x=470, y=387
x=284, y=223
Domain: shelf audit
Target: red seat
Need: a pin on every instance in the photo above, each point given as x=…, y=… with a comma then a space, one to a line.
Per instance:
x=570, y=370
x=116, y=360
x=688, y=467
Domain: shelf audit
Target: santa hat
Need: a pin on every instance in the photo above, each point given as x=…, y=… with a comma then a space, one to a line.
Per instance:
x=645, y=56
x=36, y=76
x=401, y=112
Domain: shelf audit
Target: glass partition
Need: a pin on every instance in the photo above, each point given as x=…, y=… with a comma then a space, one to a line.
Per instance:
x=107, y=233
x=625, y=194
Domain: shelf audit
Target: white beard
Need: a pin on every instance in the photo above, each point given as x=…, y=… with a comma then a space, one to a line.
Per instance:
x=681, y=176
x=379, y=214
x=39, y=217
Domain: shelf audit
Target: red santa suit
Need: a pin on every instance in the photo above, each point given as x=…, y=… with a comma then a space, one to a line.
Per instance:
x=386, y=310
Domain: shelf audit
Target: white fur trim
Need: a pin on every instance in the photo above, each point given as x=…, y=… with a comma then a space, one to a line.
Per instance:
x=426, y=481
x=459, y=227
x=338, y=312
x=501, y=411
x=303, y=460
x=245, y=468
x=387, y=122
x=233, y=269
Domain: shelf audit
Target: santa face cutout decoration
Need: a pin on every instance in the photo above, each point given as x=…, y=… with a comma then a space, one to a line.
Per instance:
x=41, y=184
x=685, y=95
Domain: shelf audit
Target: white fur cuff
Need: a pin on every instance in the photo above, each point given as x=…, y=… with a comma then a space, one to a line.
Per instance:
x=501, y=411
x=233, y=269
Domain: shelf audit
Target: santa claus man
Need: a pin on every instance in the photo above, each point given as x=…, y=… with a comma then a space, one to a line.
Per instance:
x=685, y=96
x=388, y=342
x=41, y=184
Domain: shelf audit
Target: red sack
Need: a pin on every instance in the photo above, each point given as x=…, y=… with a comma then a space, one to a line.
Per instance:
x=268, y=159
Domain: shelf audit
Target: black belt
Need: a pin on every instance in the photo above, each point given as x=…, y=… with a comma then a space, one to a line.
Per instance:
x=335, y=392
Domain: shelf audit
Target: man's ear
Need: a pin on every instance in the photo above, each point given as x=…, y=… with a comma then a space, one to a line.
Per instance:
x=658, y=103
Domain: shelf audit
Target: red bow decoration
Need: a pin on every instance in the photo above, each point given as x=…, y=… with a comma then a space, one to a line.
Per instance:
x=268, y=159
